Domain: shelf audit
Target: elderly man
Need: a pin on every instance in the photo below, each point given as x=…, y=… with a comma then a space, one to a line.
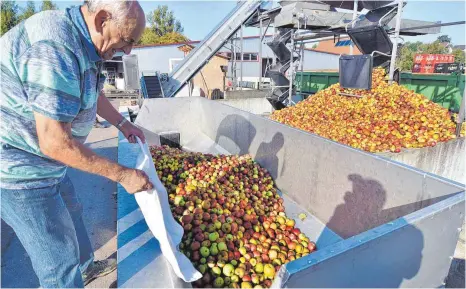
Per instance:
x=50, y=94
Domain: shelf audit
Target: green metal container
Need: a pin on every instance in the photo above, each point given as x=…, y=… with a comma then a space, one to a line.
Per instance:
x=314, y=81
x=446, y=90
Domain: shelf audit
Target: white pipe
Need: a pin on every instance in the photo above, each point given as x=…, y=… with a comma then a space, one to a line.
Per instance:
x=260, y=53
x=241, y=64
x=355, y=12
x=395, y=41
x=324, y=38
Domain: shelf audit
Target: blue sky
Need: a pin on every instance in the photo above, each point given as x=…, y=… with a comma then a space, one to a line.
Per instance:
x=199, y=17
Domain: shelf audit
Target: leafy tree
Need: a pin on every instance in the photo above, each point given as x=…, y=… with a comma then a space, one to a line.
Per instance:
x=48, y=5
x=28, y=11
x=148, y=37
x=163, y=21
x=409, y=49
x=444, y=38
x=459, y=55
x=173, y=37
x=8, y=16
x=435, y=48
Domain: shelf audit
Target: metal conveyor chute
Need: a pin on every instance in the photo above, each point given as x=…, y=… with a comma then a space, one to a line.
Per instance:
x=195, y=60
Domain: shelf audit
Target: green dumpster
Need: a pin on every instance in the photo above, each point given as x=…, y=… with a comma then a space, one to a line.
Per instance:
x=313, y=81
x=446, y=90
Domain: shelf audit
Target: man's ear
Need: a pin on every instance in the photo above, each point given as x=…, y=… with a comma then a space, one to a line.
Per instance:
x=101, y=19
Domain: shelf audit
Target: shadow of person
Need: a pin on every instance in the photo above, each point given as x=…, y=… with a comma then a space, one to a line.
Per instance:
x=266, y=154
x=385, y=261
x=235, y=134
x=361, y=209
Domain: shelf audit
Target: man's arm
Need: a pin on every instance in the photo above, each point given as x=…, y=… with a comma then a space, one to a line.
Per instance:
x=56, y=142
x=106, y=110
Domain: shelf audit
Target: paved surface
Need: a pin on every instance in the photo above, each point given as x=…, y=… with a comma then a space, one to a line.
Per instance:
x=98, y=196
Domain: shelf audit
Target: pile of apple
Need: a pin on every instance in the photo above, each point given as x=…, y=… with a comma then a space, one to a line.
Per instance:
x=235, y=230
x=385, y=118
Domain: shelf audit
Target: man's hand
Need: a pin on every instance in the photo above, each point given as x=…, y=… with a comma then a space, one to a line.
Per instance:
x=135, y=181
x=106, y=110
x=57, y=142
x=130, y=131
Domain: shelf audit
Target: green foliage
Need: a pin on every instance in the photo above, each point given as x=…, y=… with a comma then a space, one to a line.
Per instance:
x=149, y=37
x=173, y=37
x=459, y=55
x=8, y=16
x=444, y=38
x=28, y=11
x=162, y=21
x=409, y=49
x=48, y=5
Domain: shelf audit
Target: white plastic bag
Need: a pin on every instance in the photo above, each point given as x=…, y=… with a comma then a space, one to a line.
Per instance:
x=156, y=210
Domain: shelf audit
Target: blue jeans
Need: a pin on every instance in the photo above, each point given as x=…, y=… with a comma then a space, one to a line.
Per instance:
x=48, y=222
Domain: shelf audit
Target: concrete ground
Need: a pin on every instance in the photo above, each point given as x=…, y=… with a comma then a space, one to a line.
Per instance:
x=98, y=196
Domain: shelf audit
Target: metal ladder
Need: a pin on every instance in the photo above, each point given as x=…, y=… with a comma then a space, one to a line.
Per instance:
x=200, y=56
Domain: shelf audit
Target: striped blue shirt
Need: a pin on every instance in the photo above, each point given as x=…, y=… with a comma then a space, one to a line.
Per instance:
x=49, y=65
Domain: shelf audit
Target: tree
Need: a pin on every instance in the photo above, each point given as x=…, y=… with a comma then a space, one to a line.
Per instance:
x=148, y=37
x=28, y=11
x=409, y=49
x=48, y=5
x=163, y=21
x=8, y=16
x=407, y=52
x=435, y=48
x=459, y=55
x=444, y=38
x=173, y=37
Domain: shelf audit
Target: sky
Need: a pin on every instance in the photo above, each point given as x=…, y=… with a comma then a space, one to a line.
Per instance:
x=199, y=17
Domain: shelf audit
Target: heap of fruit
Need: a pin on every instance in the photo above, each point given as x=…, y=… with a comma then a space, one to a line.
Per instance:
x=235, y=230
x=385, y=118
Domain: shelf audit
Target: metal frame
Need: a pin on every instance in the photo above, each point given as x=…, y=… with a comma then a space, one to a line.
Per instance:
x=390, y=236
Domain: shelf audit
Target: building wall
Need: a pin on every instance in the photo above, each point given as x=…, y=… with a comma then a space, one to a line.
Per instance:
x=314, y=60
x=156, y=58
x=211, y=77
x=329, y=46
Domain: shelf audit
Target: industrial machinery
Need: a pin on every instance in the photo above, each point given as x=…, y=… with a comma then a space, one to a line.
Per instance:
x=377, y=223
x=296, y=23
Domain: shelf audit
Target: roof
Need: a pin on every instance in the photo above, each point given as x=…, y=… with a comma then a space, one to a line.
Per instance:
x=166, y=44
x=462, y=47
x=189, y=42
x=190, y=47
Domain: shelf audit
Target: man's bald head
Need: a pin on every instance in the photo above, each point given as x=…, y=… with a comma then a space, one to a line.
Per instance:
x=117, y=25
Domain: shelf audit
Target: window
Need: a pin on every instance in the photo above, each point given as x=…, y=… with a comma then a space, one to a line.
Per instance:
x=247, y=57
x=343, y=43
